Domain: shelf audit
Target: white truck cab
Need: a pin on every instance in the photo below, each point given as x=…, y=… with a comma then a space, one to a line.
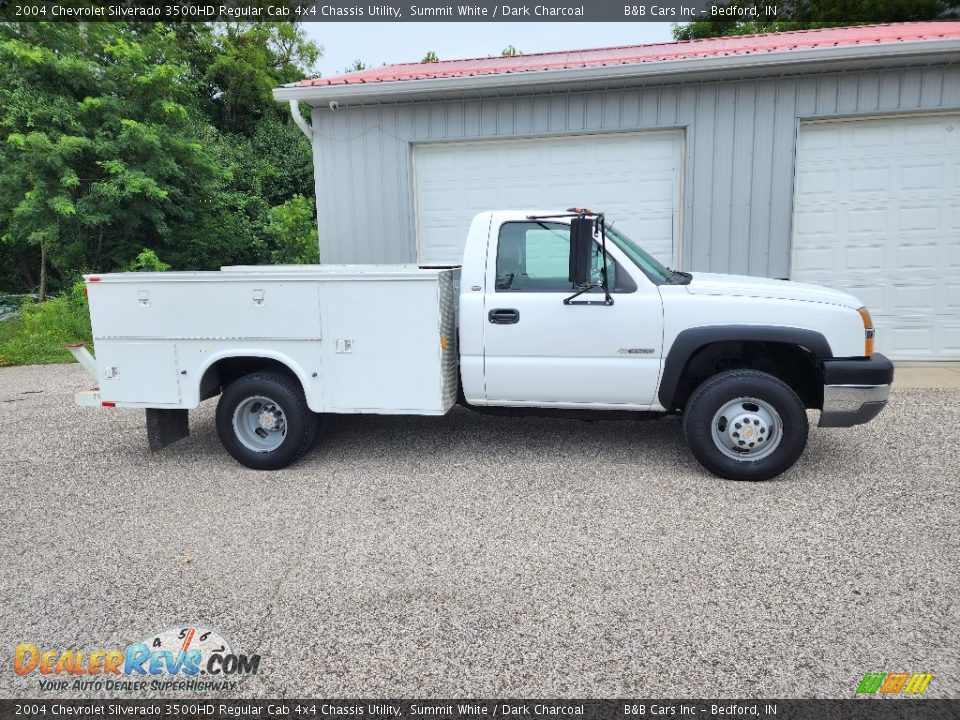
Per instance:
x=551, y=312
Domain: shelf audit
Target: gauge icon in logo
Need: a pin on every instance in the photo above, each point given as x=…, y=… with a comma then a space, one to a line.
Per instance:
x=195, y=650
x=184, y=639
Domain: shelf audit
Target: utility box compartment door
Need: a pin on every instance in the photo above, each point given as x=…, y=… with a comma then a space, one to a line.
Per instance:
x=205, y=305
x=140, y=372
x=382, y=347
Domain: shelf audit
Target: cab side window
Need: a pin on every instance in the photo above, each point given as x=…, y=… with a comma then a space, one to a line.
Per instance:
x=535, y=257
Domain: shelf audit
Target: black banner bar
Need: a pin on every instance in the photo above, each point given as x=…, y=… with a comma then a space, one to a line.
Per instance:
x=486, y=709
x=388, y=10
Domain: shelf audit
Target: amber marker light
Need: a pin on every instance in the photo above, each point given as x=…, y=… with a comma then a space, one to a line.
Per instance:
x=868, y=331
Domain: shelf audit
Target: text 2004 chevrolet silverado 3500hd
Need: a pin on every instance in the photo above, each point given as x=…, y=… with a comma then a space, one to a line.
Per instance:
x=552, y=313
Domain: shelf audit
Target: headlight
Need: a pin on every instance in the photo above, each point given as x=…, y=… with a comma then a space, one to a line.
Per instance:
x=868, y=331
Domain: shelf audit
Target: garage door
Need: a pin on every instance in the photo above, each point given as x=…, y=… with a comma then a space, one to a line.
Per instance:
x=633, y=177
x=877, y=213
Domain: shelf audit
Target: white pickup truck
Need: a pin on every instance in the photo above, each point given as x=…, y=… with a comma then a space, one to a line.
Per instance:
x=550, y=313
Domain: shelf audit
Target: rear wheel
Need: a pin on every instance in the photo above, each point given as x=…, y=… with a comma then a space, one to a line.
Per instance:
x=745, y=425
x=263, y=420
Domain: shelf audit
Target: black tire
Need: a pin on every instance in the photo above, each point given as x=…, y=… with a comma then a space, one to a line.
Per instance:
x=301, y=425
x=723, y=392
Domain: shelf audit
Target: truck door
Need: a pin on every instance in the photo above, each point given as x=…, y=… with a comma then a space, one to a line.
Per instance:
x=540, y=352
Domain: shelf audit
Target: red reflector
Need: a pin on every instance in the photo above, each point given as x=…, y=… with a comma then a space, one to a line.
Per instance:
x=108, y=403
x=93, y=279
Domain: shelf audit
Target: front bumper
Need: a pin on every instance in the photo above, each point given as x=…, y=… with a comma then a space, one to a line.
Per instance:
x=855, y=391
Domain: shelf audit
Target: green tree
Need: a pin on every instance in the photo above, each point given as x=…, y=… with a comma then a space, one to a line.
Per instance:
x=808, y=14
x=293, y=232
x=116, y=135
x=283, y=159
x=355, y=66
x=98, y=143
x=147, y=261
x=510, y=51
x=250, y=60
x=430, y=57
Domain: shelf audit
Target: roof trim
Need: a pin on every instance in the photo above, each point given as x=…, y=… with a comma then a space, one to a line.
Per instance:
x=664, y=69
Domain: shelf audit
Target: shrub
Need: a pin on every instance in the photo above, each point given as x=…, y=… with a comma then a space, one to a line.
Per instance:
x=147, y=261
x=292, y=229
x=39, y=334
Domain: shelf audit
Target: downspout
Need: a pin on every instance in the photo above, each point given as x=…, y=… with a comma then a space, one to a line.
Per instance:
x=299, y=120
x=307, y=130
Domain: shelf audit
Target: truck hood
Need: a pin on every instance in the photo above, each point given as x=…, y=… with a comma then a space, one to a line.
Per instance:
x=748, y=286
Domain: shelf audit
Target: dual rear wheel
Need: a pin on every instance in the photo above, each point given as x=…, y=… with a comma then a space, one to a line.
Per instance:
x=263, y=420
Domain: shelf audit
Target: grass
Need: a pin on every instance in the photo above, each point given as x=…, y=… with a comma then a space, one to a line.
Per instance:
x=38, y=335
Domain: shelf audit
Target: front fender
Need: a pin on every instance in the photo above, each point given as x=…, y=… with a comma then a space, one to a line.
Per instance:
x=689, y=341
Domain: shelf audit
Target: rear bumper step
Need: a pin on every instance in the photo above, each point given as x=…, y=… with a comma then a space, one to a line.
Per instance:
x=88, y=398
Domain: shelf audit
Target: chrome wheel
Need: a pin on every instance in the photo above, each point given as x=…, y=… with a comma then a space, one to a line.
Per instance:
x=747, y=429
x=259, y=423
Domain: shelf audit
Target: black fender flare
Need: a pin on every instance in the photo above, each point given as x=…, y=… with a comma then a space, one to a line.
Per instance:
x=691, y=340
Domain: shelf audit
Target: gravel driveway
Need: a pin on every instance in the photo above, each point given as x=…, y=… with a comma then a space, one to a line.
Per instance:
x=478, y=556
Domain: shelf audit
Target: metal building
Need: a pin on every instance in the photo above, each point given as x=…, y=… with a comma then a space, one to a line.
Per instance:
x=831, y=156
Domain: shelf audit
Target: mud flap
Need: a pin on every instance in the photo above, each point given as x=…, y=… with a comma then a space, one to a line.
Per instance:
x=165, y=427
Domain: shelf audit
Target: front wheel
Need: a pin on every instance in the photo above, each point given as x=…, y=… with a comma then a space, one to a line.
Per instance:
x=263, y=421
x=745, y=425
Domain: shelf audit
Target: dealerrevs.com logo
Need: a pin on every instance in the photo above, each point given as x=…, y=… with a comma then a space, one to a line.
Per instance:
x=189, y=657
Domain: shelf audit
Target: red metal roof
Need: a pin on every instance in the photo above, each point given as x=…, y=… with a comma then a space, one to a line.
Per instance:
x=657, y=52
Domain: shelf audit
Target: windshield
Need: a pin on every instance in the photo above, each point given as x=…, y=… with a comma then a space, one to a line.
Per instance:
x=655, y=270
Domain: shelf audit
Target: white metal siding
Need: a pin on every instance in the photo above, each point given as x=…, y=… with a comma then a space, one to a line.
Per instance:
x=738, y=155
x=877, y=213
x=634, y=177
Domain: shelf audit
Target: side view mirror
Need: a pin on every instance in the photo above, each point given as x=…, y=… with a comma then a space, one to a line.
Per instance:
x=581, y=250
